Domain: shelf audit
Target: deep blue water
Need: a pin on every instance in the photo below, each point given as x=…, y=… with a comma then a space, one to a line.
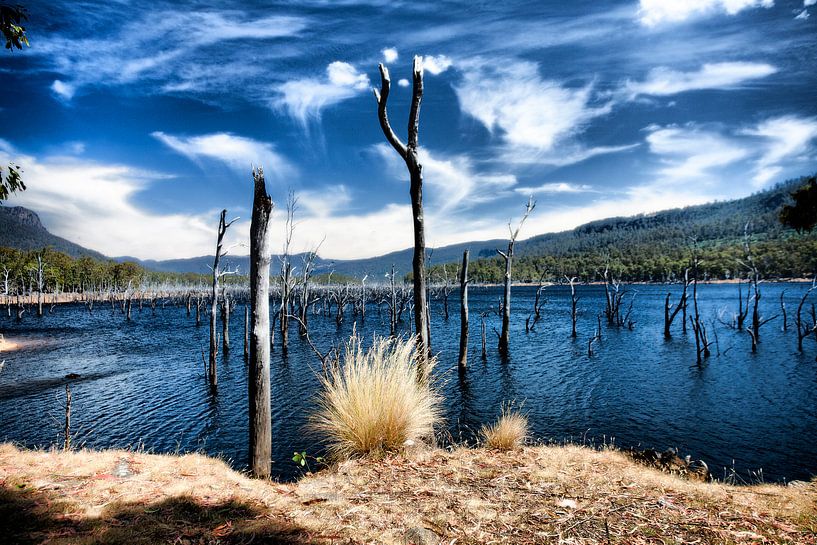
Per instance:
x=142, y=382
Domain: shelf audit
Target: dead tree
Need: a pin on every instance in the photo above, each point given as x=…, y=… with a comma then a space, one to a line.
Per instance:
x=698, y=327
x=504, y=337
x=288, y=279
x=754, y=277
x=462, y=360
x=804, y=330
x=260, y=414
x=66, y=445
x=783, y=310
x=409, y=152
x=538, y=302
x=574, y=301
x=304, y=300
x=40, y=270
x=613, y=296
x=225, y=319
x=218, y=274
x=669, y=317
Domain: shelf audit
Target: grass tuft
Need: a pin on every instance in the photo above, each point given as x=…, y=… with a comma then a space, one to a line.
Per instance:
x=508, y=433
x=372, y=402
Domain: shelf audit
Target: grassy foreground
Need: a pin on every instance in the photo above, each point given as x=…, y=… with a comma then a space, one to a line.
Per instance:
x=534, y=495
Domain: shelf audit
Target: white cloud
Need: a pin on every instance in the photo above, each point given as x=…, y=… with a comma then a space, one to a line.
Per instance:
x=655, y=12
x=304, y=99
x=803, y=15
x=451, y=183
x=389, y=54
x=92, y=204
x=554, y=187
x=436, y=65
x=196, y=45
x=64, y=90
x=529, y=111
x=690, y=153
x=807, y=3
x=238, y=152
x=403, y=82
x=665, y=81
x=785, y=140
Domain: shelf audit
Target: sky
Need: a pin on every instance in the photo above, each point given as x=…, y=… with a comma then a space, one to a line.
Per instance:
x=135, y=123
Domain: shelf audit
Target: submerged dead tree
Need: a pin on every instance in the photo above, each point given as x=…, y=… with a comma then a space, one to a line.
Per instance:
x=259, y=373
x=409, y=152
x=462, y=360
x=803, y=329
x=223, y=224
x=574, y=301
x=504, y=336
x=288, y=279
x=669, y=313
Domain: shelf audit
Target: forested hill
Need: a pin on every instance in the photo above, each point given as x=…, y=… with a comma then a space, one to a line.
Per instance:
x=652, y=247
x=21, y=228
x=657, y=247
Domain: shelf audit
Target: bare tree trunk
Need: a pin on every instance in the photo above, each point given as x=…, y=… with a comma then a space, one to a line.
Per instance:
x=225, y=320
x=67, y=431
x=259, y=373
x=573, y=304
x=504, y=337
x=409, y=153
x=217, y=274
x=463, y=356
x=246, y=333
x=783, y=310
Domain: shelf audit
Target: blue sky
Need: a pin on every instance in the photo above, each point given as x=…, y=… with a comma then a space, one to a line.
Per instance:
x=136, y=122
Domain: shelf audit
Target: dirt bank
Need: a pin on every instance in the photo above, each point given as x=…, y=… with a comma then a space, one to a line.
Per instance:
x=537, y=495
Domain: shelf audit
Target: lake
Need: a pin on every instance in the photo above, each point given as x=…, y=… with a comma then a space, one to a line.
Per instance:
x=142, y=382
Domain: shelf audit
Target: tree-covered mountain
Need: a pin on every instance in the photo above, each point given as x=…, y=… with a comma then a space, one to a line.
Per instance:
x=20, y=228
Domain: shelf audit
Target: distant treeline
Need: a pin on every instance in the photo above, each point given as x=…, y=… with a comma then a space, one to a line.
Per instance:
x=20, y=271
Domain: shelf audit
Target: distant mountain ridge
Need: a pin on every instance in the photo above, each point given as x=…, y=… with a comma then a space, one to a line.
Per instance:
x=22, y=229
x=707, y=223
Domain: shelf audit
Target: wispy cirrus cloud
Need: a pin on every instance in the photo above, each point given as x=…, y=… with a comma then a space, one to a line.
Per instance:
x=525, y=109
x=786, y=140
x=762, y=153
x=306, y=98
x=665, y=81
x=238, y=152
x=656, y=12
x=554, y=187
x=453, y=183
x=131, y=53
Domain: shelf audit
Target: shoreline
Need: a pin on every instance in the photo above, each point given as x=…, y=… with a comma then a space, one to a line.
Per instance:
x=99, y=298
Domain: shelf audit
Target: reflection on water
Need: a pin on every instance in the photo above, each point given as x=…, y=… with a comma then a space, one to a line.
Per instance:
x=142, y=382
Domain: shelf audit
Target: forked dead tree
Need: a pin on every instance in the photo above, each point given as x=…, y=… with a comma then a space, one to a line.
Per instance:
x=409, y=153
x=218, y=274
x=259, y=373
x=803, y=329
x=288, y=279
x=504, y=336
x=669, y=313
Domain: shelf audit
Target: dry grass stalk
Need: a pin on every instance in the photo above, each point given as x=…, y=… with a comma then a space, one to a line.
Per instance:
x=373, y=403
x=507, y=433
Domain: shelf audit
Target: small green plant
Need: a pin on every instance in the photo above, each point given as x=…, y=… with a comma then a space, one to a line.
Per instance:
x=302, y=459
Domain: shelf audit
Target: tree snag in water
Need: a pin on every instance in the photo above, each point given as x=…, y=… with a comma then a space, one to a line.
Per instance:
x=259, y=372
x=409, y=154
x=504, y=336
x=462, y=361
x=217, y=274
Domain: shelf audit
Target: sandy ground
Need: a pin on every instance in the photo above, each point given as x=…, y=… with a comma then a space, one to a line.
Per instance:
x=534, y=495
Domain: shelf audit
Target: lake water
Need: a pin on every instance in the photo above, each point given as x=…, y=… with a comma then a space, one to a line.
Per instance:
x=142, y=382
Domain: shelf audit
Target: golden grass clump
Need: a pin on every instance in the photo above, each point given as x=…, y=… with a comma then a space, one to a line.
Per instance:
x=508, y=433
x=372, y=401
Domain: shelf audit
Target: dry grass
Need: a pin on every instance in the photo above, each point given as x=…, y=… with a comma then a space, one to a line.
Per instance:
x=509, y=432
x=539, y=495
x=373, y=403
